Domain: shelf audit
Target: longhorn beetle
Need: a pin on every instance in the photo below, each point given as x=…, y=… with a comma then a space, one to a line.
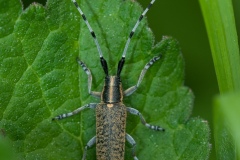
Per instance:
x=111, y=113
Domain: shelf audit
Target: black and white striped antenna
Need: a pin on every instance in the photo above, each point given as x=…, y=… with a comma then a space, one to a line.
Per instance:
x=121, y=62
x=103, y=61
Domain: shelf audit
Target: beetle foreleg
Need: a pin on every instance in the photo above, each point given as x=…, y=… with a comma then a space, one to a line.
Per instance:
x=132, y=89
x=88, y=72
x=136, y=112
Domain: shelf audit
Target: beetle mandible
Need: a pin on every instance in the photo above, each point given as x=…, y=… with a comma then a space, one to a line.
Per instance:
x=111, y=113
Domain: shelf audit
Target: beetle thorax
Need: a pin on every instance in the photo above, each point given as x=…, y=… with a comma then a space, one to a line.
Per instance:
x=112, y=90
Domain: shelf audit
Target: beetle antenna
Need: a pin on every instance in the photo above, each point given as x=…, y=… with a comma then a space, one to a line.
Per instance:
x=121, y=62
x=102, y=60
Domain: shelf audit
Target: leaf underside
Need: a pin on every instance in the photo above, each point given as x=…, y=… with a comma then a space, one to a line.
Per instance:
x=39, y=79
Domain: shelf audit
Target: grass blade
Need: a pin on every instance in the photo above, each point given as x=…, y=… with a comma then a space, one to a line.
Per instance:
x=222, y=34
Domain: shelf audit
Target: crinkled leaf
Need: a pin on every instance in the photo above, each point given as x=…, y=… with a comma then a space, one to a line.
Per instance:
x=41, y=79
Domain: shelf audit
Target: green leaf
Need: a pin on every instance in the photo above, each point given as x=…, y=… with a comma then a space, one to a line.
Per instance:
x=226, y=126
x=41, y=79
x=6, y=151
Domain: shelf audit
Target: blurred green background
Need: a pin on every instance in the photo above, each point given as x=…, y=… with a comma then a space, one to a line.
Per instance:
x=183, y=20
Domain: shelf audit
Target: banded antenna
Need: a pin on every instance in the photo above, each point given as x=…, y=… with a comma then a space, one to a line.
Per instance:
x=121, y=62
x=102, y=60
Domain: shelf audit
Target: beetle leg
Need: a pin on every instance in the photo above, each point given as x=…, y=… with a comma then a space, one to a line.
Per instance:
x=133, y=143
x=90, y=143
x=132, y=89
x=65, y=115
x=136, y=112
x=88, y=72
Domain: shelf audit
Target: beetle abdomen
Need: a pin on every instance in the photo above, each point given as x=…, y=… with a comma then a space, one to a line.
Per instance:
x=110, y=128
